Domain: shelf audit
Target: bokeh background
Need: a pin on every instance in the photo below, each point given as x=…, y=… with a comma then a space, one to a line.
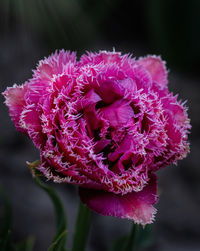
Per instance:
x=32, y=29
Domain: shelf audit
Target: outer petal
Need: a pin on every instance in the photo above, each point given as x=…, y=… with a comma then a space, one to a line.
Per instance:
x=59, y=63
x=156, y=67
x=54, y=64
x=102, y=56
x=30, y=122
x=137, y=206
x=15, y=101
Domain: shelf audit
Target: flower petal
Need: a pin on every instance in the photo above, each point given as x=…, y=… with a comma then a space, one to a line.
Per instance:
x=48, y=70
x=101, y=144
x=128, y=84
x=15, y=101
x=90, y=98
x=109, y=91
x=54, y=64
x=137, y=206
x=102, y=56
x=156, y=67
x=31, y=123
x=118, y=114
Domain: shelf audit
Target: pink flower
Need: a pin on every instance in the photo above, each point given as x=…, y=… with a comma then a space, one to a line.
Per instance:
x=106, y=123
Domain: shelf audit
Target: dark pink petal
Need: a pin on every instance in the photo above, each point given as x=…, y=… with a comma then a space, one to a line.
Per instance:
x=101, y=144
x=30, y=118
x=109, y=91
x=128, y=84
x=54, y=64
x=176, y=110
x=119, y=113
x=45, y=74
x=92, y=118
x=137, y=206
x=30, y=122
x=142, y=77
x=125, y=146
x=156, y=67
x=15, y=101
x=90, y=98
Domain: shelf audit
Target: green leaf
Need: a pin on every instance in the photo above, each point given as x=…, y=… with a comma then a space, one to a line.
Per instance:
x=58, y=243
x=6, y=222
x=145, y=236
x=139, y=238
x=26, y=245
x=82, y=228
x=33, y=168
x=6, y=244
x=132, y=241
x=61, y=232
x=119, y=244
x=6, y=217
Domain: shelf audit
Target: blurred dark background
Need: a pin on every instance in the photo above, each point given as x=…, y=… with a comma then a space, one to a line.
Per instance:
x=32, y=29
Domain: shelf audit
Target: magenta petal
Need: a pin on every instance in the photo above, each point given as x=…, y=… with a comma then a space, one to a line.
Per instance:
x=109, y=91
x=128, y=84
x=101, y=144
x=103, y=56
x=156, y=67
x=29, y=119
x=90, y=98
x=137, y=206
x=119, y=113
x=54, y=64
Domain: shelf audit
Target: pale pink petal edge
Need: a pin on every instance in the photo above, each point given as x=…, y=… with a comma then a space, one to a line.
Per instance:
x=156, y=67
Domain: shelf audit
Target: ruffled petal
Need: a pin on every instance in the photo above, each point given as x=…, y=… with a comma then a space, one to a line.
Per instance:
x=128, y=84
x=15, y=101
x=156, y=67
x=51, y=74
x=109, y=91
x=54, y=64
x=31, y=123
x=90, y=98
x=142, y=77
x=102, y=56
x=137, y=206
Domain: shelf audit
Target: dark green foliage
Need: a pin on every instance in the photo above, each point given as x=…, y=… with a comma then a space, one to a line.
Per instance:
x=139, y=238
x=59, y=240
x=82, y=228
x=6, y=242
x=26, y=245
x=6, y=223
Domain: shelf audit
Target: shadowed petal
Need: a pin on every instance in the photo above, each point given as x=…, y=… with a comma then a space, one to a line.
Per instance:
x=137, y=206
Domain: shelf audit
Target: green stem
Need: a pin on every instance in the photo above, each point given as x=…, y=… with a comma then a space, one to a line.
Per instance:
x=132, y=239
x=59, y=240
x=82, y=228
